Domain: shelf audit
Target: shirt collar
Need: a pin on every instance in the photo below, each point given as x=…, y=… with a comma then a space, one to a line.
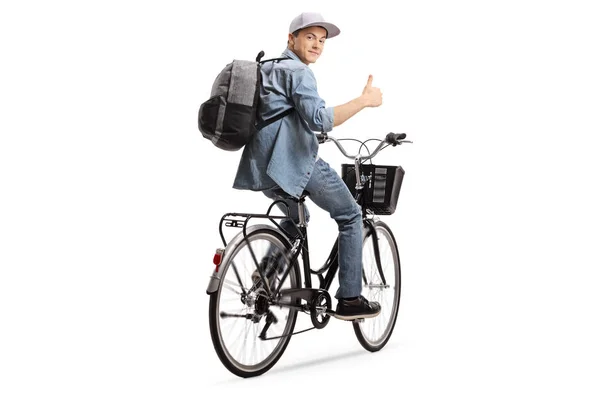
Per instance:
x=291, y=54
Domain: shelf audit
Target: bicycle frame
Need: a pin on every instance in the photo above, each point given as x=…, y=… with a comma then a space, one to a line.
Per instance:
x=331, y=265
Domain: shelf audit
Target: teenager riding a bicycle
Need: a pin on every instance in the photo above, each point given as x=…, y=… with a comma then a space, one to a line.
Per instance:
x=282, y=160
x=258, y=287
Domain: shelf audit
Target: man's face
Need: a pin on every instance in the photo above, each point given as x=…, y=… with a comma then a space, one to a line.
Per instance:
x=309, y=44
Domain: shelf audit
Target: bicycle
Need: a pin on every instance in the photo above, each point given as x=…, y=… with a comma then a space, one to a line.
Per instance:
x=256, y=287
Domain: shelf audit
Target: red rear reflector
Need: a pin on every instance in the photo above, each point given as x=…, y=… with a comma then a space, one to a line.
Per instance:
x=218, y=258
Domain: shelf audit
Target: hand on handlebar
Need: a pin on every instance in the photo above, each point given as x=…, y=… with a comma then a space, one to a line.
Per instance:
x=321, y=137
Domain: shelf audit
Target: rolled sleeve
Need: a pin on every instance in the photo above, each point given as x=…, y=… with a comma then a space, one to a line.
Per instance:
x=327, y=119
x=310, y=106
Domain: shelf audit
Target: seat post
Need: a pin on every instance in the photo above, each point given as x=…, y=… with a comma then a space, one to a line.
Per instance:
x=302, y=228
x=301, y=213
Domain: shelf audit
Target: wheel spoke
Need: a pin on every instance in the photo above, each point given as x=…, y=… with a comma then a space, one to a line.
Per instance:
x=232, y=286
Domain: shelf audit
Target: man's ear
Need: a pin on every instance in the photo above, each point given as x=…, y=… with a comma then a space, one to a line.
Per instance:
x=290, y=39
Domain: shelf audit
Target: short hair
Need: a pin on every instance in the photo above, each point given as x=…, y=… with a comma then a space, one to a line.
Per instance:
x=297, y=32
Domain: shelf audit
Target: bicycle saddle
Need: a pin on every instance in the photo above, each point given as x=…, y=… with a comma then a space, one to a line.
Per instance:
x=279, y=192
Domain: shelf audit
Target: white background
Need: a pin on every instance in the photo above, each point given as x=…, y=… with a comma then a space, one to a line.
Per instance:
x=110, y=197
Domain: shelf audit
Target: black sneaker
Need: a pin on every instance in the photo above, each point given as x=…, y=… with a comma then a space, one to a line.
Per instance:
x=357, y=308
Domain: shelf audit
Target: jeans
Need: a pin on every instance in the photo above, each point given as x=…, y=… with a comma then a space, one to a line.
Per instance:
x=328, y=191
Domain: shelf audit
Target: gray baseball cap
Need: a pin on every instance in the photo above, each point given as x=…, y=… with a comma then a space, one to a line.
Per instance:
x=307, y=19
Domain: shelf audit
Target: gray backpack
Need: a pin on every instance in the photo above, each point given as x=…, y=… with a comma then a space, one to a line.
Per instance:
x=229, y=117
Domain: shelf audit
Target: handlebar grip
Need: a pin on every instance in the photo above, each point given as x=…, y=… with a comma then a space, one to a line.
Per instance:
x=393, y=138
x=321, y=137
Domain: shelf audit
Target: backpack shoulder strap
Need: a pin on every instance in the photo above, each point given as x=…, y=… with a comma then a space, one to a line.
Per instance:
x=261, y=125
x=262, y=53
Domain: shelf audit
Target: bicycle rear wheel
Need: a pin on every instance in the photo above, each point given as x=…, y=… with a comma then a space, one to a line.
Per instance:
x=240, y=309
x=374, y=333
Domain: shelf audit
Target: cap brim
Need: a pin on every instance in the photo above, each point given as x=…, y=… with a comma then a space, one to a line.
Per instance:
x=332, y=30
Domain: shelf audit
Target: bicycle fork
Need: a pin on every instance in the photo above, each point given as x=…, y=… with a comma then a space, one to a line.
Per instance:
x=370, y=225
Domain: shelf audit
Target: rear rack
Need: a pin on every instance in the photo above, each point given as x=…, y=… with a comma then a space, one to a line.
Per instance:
x=240, y=220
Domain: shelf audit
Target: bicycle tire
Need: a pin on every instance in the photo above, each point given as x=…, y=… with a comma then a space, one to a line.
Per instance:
x=224, y=347
x=390, y=263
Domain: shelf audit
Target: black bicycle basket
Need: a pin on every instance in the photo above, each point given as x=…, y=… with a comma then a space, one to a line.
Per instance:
x=381, y=187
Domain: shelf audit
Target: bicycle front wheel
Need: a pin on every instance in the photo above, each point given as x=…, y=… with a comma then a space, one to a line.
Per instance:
x=374, y=333
x=249, y=333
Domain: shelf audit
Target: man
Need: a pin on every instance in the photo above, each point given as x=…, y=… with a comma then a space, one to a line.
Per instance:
x=283, y=156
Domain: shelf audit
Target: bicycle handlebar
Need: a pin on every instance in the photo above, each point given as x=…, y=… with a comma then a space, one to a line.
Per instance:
x=391, y=138
x=394, y=138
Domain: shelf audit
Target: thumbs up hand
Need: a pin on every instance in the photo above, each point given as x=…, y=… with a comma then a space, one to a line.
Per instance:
x=371, y=95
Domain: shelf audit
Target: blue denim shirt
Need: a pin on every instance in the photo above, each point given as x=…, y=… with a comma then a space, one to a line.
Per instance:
x=284, y=153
